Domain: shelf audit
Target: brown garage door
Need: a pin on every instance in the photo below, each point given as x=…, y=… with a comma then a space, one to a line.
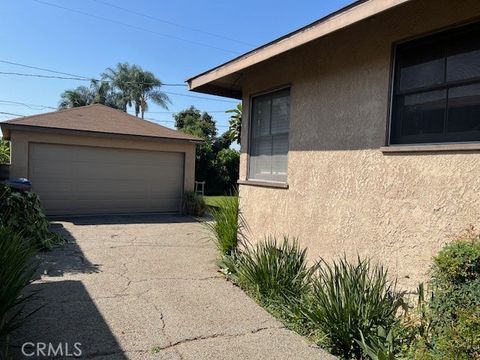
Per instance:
x=89, y=180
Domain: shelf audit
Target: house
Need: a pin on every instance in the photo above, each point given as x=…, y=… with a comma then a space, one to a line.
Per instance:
x=361, y=131
x=95, y=159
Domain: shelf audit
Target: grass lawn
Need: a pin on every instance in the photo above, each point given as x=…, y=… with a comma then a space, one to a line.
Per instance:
x=214, y=200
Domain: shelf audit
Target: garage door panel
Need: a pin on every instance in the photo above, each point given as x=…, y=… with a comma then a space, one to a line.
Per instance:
x=83, y=180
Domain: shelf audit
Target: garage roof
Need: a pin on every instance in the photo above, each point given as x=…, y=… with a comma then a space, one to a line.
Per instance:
x=95, y=119
x=226, y=79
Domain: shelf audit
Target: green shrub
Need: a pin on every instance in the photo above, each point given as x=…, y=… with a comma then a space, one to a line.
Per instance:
x=458, y=262
x=193, y=204
x=228, y=225
x=22, y=212
x=455, y=306
x=351, y=301
x=275, y=271
x=453, y=312
x=16, y=272
x=4, y=152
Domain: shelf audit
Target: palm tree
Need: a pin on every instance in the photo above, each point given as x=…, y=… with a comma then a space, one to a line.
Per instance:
x=79, y=96
x=137, y=87
x=104, y=93
x=235, y=123
x=99, y=92
x=147, y=88
x=120, y=79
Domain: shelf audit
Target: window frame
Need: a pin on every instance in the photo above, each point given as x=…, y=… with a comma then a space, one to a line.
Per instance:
x=249, y=178
x=450, y=30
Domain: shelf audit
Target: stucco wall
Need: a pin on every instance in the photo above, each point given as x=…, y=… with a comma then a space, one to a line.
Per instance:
x=345, y=195
x=21, y=139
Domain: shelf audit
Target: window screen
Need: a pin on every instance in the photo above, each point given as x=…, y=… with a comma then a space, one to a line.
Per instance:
x=436, y=93
x=269, y=136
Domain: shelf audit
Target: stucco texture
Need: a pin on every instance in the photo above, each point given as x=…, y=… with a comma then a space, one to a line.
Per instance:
x=345, y=195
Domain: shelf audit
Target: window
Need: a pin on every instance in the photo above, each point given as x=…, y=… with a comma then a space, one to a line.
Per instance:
x=269, y=136
x=436, y=90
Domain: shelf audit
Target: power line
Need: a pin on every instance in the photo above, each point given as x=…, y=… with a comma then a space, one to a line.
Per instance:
x=171, y=22
x=174, y=112
x=139, y=28
x=173, y=121
x=30, y=106
x=8, y=113
x=72, y=78
x=40, y=107
x=42, y=69
x=42, y=76
x=33, y=106
x=80, y=79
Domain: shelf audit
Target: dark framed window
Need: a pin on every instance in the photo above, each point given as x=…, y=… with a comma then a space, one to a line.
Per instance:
x=436, y=88
x=269, y=127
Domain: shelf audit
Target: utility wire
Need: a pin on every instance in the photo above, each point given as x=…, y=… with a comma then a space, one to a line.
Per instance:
x=39, y=107
x=72, y=78
x=79, y=79
x=30, y=106
x=42, y=69
x=8, y=113
x=174, y=112
x=130, y=11
x=43, y=76
x=172, y=121
x=36, y=106
x=139, y=28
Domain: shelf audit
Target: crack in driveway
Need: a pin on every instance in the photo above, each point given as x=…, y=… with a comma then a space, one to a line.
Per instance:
x=214, y=336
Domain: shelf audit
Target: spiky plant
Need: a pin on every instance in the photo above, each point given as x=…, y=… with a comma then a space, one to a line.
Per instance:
x=275, y=270
x=350, y=300
x=16, y=272
x=227, y=226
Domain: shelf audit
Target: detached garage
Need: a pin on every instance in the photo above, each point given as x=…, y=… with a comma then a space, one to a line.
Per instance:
x=95, y=159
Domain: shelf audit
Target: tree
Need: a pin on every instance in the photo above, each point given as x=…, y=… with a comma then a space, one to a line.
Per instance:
x=120, y=80
x=99, y=92
x=136, y=87
x=79, y=96
x=227, y=163
x=147, y=88
x=235, y=123
x=216, y=163
x=193, y=122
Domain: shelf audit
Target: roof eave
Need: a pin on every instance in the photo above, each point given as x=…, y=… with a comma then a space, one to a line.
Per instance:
x=356, y=12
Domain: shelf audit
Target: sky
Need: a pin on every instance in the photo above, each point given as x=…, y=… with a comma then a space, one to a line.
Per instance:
x=173, y=39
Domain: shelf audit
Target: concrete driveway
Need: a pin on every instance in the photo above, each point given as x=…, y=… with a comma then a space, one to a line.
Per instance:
x=146, y=287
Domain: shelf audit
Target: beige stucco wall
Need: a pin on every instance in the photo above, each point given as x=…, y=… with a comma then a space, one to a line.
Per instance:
x=21, y=139
x=345, y=195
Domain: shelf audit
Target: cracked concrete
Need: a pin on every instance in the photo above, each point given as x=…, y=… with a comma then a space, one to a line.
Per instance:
x=146, y=287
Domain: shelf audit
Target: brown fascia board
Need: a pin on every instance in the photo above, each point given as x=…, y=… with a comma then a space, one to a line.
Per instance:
x=356, y=12
x=7, y=127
